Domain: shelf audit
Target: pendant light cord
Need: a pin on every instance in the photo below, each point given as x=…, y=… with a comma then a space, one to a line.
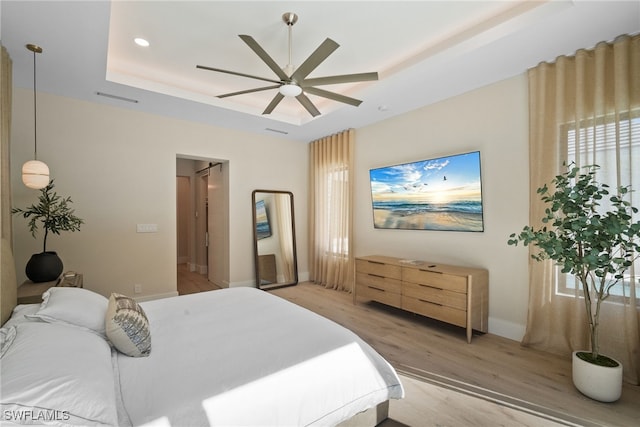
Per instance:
x=35, y=112
x=35, y=174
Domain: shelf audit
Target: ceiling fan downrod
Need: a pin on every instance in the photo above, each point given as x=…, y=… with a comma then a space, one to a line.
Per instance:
x=290, y=19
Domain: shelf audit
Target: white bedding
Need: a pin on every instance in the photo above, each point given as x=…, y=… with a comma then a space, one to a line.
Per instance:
x=245, y=357
x=229, y=357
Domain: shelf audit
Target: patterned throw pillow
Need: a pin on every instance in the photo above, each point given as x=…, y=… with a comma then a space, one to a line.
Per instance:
x=127, y=326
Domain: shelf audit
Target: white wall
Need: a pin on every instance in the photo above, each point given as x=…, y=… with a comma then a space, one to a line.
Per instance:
x=493, y=120
x=119, y=167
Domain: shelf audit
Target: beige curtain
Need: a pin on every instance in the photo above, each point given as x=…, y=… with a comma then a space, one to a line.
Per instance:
x=7, y=272
x=5, y=127
x=585, y=108
x=331, y=217
x=283, y=208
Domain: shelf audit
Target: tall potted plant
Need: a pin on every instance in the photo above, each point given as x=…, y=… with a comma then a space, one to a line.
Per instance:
x=597, y=245
x=55, y=214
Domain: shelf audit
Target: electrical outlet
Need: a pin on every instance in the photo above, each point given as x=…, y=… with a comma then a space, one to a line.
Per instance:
x=137, y=288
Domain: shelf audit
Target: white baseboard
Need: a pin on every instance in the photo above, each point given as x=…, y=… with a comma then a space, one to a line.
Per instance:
x=506, y=329
x=243, y=284
x=156, y=296
x=302, y=277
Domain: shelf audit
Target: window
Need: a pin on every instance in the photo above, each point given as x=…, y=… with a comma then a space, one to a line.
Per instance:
x=337, y=186
x=614, y=145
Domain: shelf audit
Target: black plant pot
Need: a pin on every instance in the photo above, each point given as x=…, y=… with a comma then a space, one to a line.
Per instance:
x=44, y=267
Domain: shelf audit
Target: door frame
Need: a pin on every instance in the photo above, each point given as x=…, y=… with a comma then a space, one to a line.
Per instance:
x=197, y=167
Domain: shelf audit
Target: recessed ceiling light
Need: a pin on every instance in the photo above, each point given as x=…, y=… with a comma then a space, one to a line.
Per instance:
x=141, y=42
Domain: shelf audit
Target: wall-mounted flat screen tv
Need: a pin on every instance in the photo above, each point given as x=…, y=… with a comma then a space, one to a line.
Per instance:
x=437, y=194
x=263, y=228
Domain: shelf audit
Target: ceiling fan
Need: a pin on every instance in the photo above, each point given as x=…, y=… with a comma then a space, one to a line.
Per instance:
x=294, y=82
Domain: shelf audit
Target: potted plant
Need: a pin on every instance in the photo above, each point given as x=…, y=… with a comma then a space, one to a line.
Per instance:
x=597, y=245
x=55, y=215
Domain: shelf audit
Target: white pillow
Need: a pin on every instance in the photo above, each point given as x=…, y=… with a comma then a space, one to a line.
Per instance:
x=75, y=306
x=127, y=326
x=54, y=374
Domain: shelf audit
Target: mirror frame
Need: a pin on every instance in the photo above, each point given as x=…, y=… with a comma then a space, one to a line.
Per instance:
x=255, y=241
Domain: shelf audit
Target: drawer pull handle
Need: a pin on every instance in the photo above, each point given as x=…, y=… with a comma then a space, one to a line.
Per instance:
x=430, y=287
x=376, y=275
x=430, y=302
x=431, y=271
x=376, y=262
x=377, y=289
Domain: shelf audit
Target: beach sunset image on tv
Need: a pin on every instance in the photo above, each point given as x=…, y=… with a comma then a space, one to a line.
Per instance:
x=437, y=194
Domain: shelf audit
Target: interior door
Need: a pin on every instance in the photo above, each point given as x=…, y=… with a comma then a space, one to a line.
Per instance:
x=216, y=227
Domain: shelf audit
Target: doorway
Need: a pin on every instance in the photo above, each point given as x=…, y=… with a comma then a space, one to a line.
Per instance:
x=202, y=215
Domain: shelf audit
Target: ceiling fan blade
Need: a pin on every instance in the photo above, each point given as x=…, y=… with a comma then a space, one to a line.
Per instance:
x=203, y=67
x=332, y=95
x=274, y=102
x=345, y=78
x=259, y=89
x=308, y=105
x=320, y=54
x=250, y=41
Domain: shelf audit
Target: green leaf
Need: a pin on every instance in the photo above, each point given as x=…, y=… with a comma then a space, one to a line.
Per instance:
x=52, y=212
x=583, y=239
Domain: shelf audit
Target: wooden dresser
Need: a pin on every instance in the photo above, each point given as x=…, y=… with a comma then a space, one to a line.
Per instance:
x=456, y=295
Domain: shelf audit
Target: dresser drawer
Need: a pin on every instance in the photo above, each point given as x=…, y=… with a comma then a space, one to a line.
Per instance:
x=435, y=295
x=376, y=294
x=452, y=294
x=379, y=269
x=435, y=311
x=435, y=279
x=382, y=283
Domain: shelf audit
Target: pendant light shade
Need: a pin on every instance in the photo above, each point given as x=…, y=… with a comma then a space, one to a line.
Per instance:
x=35, y=174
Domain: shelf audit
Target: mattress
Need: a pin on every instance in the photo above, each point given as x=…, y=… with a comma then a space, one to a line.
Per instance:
x=241, y=357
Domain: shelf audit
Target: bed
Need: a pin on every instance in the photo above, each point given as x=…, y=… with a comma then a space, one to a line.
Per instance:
x=237, y=356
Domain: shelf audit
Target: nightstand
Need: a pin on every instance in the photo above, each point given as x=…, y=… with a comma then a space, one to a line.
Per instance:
x=31, y=293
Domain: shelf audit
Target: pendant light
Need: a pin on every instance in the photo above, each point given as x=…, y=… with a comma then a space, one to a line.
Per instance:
x=35, y=174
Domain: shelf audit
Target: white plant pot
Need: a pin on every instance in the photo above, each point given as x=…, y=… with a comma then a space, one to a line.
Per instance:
x=601, y=383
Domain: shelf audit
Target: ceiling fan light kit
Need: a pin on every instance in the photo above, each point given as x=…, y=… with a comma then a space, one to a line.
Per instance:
x=290, y=89
x=293, y=81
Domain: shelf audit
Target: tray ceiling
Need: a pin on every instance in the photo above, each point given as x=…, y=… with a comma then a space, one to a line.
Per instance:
x=424, y=51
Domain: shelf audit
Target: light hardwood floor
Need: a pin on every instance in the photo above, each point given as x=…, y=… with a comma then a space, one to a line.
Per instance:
x=427, y=405
x=491, y=367
x=190, y=282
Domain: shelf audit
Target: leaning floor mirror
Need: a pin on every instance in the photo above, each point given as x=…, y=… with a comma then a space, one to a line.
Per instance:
x=274, y=239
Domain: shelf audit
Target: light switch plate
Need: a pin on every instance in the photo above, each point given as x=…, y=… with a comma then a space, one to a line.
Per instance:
x=146, y=228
